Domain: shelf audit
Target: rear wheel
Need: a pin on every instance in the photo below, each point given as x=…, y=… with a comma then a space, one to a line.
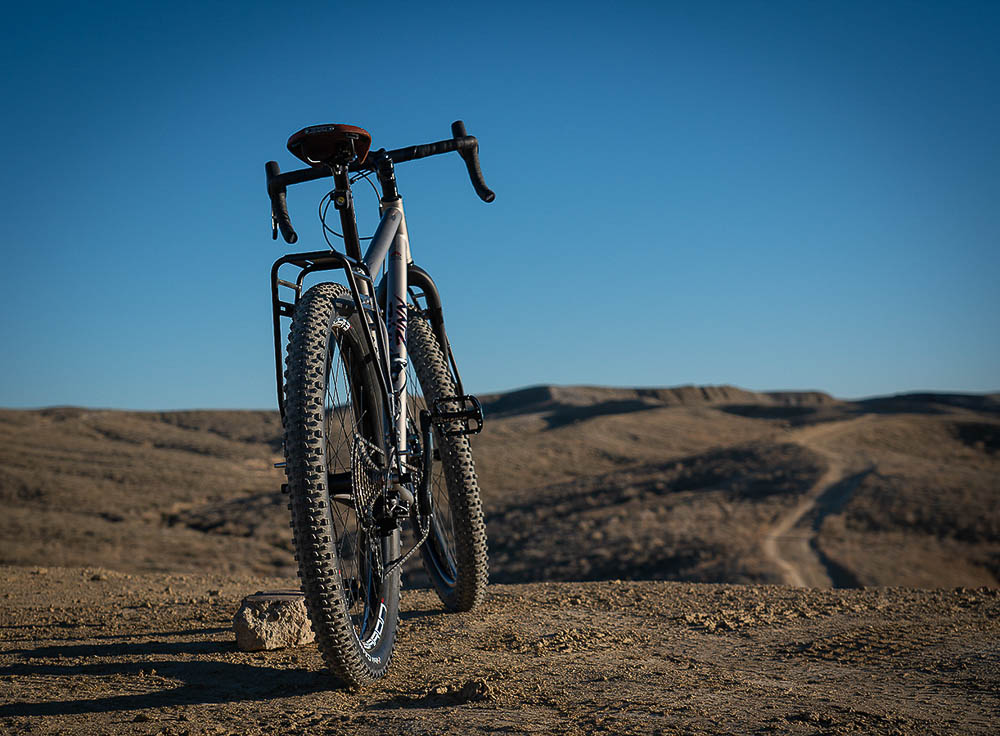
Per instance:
x=454, y=555
x=337, y=478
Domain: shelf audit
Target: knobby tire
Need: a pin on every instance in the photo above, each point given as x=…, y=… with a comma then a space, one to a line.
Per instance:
x=455, y=554
x=334, y=433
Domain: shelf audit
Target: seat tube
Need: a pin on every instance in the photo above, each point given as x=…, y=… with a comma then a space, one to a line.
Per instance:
x=399, y=259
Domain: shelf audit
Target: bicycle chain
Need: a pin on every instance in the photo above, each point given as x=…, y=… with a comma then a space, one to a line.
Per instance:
x=417, y=474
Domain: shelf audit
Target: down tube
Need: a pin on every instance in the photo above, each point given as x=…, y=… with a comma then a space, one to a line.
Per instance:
x=399, y=260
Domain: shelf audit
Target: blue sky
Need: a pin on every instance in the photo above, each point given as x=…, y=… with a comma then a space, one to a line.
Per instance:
x=773, y=195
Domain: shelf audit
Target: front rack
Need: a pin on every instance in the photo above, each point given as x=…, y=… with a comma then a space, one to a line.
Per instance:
x=461, y=414
x=325, y=260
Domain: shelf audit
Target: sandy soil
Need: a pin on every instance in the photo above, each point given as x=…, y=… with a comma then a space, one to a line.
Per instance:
x=87, y=651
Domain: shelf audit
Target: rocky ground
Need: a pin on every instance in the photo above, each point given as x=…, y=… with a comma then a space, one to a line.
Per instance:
x=86, y=650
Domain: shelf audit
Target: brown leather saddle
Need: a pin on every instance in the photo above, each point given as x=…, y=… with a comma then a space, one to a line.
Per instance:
x=329, y=144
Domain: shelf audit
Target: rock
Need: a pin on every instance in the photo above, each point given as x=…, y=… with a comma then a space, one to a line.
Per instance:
x=272, y=620
x=476, y=690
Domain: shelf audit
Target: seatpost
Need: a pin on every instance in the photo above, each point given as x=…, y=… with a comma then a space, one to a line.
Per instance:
x=344, y=202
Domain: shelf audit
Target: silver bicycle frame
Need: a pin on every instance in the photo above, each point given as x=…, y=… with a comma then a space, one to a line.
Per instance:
x=391, y=238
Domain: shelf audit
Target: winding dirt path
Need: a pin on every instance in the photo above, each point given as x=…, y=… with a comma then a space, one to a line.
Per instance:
x=788, y=543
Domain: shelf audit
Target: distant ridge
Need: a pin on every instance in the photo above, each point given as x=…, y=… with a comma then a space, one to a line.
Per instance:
x=258, y=424
x=548, y=398
x=920, y=402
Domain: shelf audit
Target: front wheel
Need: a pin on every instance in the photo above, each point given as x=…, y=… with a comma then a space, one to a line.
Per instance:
x=454, y=554
x=336, y=464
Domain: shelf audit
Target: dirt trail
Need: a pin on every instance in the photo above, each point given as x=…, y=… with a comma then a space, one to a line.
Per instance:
x=789, y=542
x=86, y=651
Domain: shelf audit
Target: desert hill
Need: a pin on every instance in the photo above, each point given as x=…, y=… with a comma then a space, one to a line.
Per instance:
x=711, y=484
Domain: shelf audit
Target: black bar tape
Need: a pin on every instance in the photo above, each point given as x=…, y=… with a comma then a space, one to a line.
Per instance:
x=411, y=153
x=466, y=145
x=469, y=150
x=279, y=205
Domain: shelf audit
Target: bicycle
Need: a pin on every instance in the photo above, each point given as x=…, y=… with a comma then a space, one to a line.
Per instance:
x=376, y=420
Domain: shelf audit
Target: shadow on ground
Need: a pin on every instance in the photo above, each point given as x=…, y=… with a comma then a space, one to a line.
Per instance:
x=200, y=682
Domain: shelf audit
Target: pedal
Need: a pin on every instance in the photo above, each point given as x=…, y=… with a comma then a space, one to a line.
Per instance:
x=469, y=413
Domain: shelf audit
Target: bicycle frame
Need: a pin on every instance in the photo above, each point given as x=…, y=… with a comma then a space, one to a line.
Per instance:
x=384, y=305
x=384, y=302
x=386, y=328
